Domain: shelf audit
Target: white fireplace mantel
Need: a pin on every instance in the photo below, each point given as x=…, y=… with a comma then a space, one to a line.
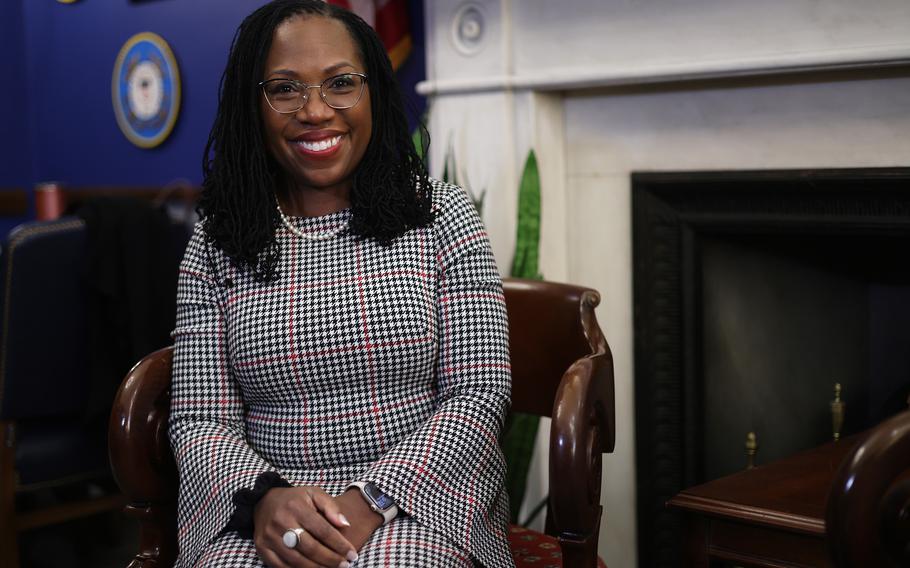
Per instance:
x=579, y=78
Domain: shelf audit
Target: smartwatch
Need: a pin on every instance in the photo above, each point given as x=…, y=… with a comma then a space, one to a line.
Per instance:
x=377, y=500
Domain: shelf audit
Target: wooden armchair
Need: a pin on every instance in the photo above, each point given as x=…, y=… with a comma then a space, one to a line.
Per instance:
x=561, y=367
x=868, y=512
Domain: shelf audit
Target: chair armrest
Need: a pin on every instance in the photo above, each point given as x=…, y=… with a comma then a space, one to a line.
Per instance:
x=582, y=430
x=868, y=513
x=141, y=456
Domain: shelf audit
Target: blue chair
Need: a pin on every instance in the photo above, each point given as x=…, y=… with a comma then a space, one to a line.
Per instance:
x=48, y=441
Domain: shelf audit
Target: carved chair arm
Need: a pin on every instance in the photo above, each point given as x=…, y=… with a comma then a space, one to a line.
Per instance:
x=141, y=457
x=868, y=515
x=583, y=428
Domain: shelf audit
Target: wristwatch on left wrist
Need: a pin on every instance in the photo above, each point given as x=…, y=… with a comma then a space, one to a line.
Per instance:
x=378, y=501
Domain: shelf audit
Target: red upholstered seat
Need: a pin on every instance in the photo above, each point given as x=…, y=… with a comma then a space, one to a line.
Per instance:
x=531, y=548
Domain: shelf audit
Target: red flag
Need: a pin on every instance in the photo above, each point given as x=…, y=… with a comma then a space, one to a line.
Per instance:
x=390, y=20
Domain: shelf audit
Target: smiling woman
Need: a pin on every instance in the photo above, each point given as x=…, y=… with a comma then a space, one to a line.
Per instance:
x=318, y=145
x=341, y=337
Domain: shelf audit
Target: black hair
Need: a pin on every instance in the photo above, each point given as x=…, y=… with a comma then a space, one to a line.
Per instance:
x=391, y=192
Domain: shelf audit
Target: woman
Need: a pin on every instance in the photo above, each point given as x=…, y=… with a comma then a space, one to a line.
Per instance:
x=341, y=372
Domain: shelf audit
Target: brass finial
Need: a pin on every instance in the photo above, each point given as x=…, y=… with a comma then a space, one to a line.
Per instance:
x=837, y=412
x=751, y=449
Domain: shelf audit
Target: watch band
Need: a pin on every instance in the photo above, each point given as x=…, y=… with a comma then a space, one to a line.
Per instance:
x=375, y=498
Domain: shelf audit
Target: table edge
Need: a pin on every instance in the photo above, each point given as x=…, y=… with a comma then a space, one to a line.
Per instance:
x=740, y=512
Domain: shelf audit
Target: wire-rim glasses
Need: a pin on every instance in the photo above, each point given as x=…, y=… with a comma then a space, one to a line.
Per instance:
x=340, y=92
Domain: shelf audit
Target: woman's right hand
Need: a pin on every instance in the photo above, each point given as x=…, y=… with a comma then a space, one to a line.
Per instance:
x=311, y=509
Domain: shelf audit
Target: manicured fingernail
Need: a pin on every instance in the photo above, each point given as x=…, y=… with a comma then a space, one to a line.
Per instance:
x=352, y=556
x=344, y=520
x=344, y=564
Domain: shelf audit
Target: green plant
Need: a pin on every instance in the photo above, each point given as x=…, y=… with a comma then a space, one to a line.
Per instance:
x=527, y=237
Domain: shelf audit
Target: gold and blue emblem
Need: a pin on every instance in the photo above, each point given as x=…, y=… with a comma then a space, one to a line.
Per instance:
x=146, y=90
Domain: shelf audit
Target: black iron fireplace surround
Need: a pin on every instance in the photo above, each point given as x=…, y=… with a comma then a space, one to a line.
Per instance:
x=799, y=253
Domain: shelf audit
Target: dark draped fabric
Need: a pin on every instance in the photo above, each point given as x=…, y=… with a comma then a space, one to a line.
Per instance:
x=133, y=252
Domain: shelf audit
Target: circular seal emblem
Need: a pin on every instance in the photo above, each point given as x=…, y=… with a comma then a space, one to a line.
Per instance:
x=146, y=90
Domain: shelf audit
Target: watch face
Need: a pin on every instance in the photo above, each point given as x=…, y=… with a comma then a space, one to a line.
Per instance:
x=382, y=500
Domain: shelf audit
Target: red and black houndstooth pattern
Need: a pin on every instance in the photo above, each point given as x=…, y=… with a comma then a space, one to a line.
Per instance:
x=361, y=362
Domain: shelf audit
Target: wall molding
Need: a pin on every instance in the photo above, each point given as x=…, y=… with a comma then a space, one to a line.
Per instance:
x=564, y=79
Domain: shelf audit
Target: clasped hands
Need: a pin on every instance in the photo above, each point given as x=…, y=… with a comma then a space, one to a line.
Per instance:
x=335, y=528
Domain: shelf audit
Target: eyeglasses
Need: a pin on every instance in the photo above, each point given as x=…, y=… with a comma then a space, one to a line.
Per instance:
x=339, y=92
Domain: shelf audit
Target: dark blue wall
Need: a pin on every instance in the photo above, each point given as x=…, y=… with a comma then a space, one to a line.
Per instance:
x=71, y=50
x=15, y=169
x=59, y=59
x=15, y=158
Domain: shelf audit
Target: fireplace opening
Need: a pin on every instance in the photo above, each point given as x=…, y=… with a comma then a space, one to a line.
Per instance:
x=783, y=318
x=756, y=292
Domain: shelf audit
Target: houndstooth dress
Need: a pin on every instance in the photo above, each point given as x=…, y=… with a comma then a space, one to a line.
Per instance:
x=361, y=362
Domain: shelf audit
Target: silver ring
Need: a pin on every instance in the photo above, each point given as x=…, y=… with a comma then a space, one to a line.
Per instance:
x=291, y=537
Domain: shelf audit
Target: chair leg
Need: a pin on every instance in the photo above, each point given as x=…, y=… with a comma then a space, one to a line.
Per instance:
x=158, y=529
x=578, y=553
x=580, y=550
x=9, y=545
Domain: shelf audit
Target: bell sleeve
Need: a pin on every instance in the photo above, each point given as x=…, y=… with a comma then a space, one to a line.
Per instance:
x=449, y=473
x=206, y=427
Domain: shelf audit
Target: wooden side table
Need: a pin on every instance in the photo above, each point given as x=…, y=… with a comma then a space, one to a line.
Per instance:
x=772, y=516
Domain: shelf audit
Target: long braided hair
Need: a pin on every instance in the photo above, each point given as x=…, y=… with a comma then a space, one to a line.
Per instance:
x=390, y=194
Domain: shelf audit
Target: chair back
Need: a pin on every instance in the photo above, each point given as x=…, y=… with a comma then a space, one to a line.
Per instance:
x=44, y=338
x=552, y=327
